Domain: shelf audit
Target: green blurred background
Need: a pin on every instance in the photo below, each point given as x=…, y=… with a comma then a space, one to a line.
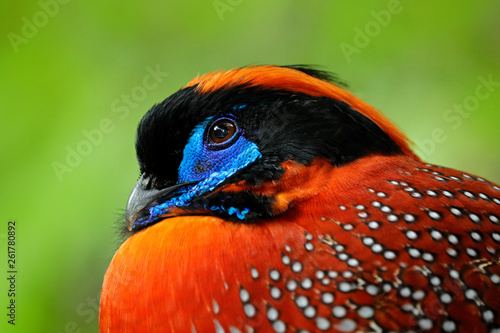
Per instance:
x=67, y=68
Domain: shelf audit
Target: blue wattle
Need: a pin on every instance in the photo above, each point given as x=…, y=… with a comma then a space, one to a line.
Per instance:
x=208, y=166
x=200, y=161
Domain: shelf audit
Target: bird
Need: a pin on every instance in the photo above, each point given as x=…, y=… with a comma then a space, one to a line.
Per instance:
x=271, y=199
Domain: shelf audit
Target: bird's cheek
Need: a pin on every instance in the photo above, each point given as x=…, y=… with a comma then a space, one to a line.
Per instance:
x=281, y=203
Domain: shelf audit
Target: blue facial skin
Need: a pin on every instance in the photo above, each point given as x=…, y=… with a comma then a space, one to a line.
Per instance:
x=210, y=164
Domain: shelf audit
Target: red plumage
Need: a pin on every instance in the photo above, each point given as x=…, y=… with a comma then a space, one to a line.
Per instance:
x=384, y=243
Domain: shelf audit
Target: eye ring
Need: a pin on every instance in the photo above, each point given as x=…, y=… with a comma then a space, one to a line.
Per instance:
x=222, y=132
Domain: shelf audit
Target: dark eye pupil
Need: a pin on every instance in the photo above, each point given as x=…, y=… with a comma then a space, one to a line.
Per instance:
x=221, y=131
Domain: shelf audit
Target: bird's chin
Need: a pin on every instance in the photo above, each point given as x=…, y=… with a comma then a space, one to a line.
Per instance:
x=144, y=221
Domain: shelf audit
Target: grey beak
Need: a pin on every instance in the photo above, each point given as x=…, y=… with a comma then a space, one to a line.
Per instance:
x=142, y=198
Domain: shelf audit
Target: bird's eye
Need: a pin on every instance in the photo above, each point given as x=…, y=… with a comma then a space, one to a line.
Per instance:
x=222, y=131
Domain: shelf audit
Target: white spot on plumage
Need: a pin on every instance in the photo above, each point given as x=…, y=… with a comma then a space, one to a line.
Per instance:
x=469, y=195
x=352, y=262
x=425, y=323
x=339, y=311
x=322, y=323
x=414, y=252
x=327, y=298
x=455, y=211
x=453, y=239
x=474, y=218
x=470, y=294
x=363, y=215
x=432, y=193
x=416, y=195
x=452, y=252
x=386, y=209
x=302, y=301
x=389, y=255
x=307, y=283
x=448, y=194
x=368, y=241
x=449, y=326
x=484, y=196
x=345, y=287
x=476, y=236
x=377, y=248
x=411, y=234
x=279, y=326
x=249, y=310
x=372, y=289
x=366, y=312
x=272, y=314
x=392, y=218
x=244, y=295
x=445, y=298
x=488, y=316
x=274, y=275
x=435, y=281
x=291, y=285
x=346, y=325
x=275, y=292
x=434, y=214
x=218, y=327
x=332, y=274
x=429, y=257
x=454, y=274
x=405, y=292
x=409, y=218
x=418, y=295
x=386, y=287
x=296, y=267
x=320, y=274
x=309, y=311
x=347, y=274
x=436, y=235
x=215, y=306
